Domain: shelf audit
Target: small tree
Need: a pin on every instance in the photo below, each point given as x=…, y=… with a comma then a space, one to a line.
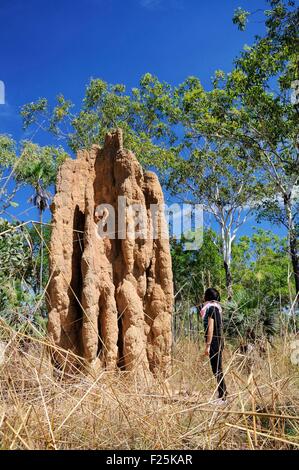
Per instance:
x=38, y=168
x=8, y=160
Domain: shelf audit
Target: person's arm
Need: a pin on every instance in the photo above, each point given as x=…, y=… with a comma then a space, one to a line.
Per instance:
x=209, y=335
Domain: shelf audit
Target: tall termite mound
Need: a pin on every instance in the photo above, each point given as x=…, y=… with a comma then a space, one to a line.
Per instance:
x=110, y=294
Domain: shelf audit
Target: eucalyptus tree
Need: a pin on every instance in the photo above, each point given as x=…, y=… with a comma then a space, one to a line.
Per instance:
x=215, y=176
x=263, y=116
x=106, y=107
x=250, y=123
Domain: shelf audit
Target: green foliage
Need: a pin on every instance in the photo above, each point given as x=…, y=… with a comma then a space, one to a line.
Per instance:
x=7, y=151
x=106, y=107
x=260, y=272
x=15, y=250
x=20, y=304
x=261, y=288
x=195, y=270
x=39, y=163
x=249, y=320
x=261, y=266
x=7, y=162
x=15, y=259
x=40, y=261
x=240, y=18
x=31, y=111
x=35, y=165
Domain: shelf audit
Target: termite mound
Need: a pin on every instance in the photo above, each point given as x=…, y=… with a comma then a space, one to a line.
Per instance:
x=110, y=296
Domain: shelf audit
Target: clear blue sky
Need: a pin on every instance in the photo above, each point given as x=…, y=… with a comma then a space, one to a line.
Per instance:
x=53, y=46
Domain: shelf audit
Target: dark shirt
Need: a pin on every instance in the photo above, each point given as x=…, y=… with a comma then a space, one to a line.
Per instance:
x=217, y=339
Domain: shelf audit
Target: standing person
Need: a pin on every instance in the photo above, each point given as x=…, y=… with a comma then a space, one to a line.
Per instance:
x=211, y=314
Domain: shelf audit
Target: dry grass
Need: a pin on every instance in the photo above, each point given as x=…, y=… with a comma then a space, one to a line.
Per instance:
x=40, y=409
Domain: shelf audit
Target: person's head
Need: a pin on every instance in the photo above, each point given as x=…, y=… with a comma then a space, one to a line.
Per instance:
x=212, y=294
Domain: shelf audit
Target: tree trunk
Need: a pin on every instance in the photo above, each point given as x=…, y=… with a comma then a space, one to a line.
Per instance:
x=228, y=280
x=293, y=244
x=41, y=253
x=227, y=253
x=295, y=259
